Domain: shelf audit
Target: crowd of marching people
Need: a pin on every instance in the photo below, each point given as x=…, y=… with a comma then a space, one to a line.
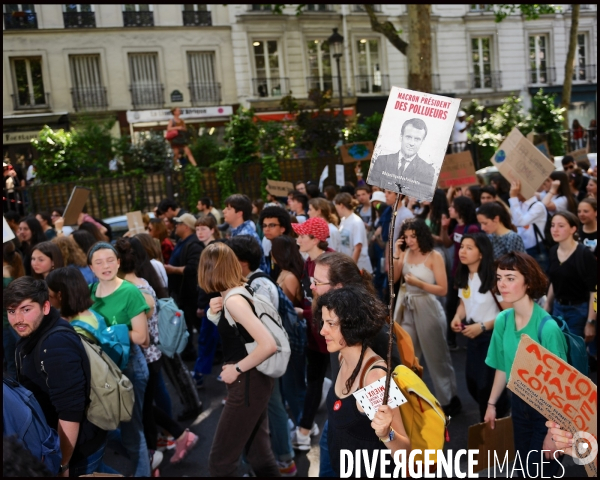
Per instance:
x=192, y=292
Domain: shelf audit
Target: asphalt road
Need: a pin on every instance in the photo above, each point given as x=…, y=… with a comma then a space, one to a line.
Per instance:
x=196, y=463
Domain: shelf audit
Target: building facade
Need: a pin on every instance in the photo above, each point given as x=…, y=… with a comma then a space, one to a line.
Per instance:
x=61, y=61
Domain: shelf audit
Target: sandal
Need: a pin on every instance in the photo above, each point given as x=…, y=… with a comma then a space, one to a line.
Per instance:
x=183, y=445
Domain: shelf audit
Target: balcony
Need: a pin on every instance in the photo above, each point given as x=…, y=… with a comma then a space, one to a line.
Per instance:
x=542, y=76
x=31, y=101
x=79, y=19
x=270, y=87
x=20, y=20
x=205, y=94
x=138, y=19
x=368, y=84
x=147, y=96
x=89, y=98
x=491, y=80
x=584, y=73
x=322, y=83
x=197, y=19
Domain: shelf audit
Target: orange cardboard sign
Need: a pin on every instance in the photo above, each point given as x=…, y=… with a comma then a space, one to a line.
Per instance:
x=492, y=442
x=356, y=152
x=135, y=222
x=279, y=188
x=457, y=170
x=79, y=197
x=558, y=391
x=580, y=154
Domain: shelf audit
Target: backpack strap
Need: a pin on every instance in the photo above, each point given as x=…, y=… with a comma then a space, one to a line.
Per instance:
x=545, y=320
x=368, y=366
x=85, y=326
x=46, y=335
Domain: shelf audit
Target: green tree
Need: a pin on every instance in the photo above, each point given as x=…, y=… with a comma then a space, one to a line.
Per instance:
x=55, y=162
x=150, y=155
x=92, y=146
x=365, y=131
x=206, y=150
x=547, y=118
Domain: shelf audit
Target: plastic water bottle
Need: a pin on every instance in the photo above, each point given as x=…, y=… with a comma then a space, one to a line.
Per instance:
x=176, y=319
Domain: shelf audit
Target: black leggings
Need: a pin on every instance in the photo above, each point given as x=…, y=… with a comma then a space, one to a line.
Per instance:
x=315, y=374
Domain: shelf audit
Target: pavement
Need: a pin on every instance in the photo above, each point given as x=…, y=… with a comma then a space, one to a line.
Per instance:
x=196, y=462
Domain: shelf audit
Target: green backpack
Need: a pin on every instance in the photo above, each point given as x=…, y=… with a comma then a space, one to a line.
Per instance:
x=111, y=392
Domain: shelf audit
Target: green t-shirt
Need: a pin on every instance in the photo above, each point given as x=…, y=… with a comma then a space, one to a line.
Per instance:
x=505, y=339
x=121, y=306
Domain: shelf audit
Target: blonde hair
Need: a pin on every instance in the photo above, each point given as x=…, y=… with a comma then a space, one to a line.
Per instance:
x=71, y=252
x=323, y=206
x=219, y=269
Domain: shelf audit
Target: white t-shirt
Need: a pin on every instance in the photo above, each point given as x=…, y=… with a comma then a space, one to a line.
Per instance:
x=334, y=241
x=162, y=273
x=560, y=203
x=352, y=232
x=457, y=135
x=265, y=287
x=480, y=307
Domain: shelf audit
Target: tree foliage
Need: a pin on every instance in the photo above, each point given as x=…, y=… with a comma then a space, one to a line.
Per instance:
x=365, y=131
x=547, y=118
x=529, y=11
x=206, y=150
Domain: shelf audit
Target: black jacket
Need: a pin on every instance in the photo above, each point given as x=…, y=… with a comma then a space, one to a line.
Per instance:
x=63, y=391
x=183, y=288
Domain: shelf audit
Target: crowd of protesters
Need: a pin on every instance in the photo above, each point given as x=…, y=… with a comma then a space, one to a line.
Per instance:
x=480, y=261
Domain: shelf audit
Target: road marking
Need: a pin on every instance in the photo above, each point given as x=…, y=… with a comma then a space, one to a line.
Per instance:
x=203, y=416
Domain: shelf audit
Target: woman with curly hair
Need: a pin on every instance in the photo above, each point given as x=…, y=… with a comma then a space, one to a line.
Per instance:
x=424, y=320
x=74, y=256
x=521, y=281
x=350, y=318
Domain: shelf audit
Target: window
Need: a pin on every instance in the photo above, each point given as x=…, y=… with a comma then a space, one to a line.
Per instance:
x=137, y=8
x=196, y=15
x=579, y=63
x=19, y=16
x=538, y=59
x=482, y=67
x=479, y=8
x=319, y=65
x=146, y=89
x=260, y=8
x=138, y=15
x=88, y=90
x=29, y=83
x=79, y=16
x=318, y=7
x=369, y=78
x=266, y=60
x=359, y=8
x=203, y=88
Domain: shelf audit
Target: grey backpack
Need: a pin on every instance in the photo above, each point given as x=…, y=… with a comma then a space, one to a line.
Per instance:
x=172, y=329
x=276, y=365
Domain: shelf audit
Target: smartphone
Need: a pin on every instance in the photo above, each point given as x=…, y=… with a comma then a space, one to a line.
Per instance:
x=403, y=245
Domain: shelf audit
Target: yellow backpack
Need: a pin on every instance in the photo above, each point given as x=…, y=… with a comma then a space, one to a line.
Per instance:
x=422, y=415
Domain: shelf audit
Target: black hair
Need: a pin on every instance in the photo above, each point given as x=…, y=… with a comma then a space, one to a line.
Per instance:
x=25, y=288
x=486, y=270
x=490, y=189
x=84, y=239
x=286, y=253
x=416, y=123
x=492, y=210
x=74, y=290
x=303, y=199
x=312, y=191
x=51, y=250
x=58, y=210
x=435, y=210
x=564, y=190
x=18, y=461
x=342, y=270
x=348, y=189
x=37, y=234
x=361, y=316
x=572, y=220
x=12, y=215
x=422, y=232
x=502, y=185
x=465, y=209
x=94, y=230
x=46, y=216
x=12, y=257
x=240, y=202
x=206, y=201
x=280, y=214
x=134, y=259
x=247, y=249
x=165, y=205
x=476, y=194
x=567, y=159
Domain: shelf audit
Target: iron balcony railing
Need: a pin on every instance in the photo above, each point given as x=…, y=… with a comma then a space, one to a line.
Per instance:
x=491, y=80
x=85, y=98
x=20, y=20
x=138, y=19
x=584, y=73
x=542, y=76
x=79, y=19
x=30, y=101
x=270, y=87
x=377, y=83
x=205, y=94
x=147, y=96
x=324, y=83
x=197, y=19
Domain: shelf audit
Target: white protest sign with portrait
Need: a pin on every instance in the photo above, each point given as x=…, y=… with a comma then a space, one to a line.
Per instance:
x=412, y=142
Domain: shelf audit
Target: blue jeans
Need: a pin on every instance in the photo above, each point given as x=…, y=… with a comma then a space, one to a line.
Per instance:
x=325, y=469
x=9, y=342
x=529, y=431
x=278, y=425
x=294, y=385
x=91, y=464
x=132, y=433
x=574, y=315
x=208, y=338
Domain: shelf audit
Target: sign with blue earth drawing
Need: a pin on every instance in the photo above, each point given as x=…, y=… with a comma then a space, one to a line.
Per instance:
x=356, y=152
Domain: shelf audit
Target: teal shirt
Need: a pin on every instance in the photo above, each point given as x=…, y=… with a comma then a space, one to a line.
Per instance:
x=505, y=338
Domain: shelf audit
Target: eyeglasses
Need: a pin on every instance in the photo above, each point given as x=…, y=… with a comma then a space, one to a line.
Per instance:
x=314, y=281
x=270, y=225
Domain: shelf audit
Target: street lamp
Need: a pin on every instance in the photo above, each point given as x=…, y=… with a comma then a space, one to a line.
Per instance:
x=336, y=45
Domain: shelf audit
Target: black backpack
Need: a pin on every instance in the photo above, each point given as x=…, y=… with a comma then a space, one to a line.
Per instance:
x=545, y=239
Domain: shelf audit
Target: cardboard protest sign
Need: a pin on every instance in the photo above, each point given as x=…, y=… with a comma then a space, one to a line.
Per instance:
x=370, y=398
x=545, y=149
x=490, y=442
x=518, y=160
x=7, y=233
x=278, y=188
x=356, y=152
x=559, y=392
x=580, y=154
x=457, y=170
x=412, y=142
x=79, y=196
x=135, y=223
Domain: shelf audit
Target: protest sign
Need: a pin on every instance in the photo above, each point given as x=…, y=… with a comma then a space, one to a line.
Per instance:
x=135, y=222
x=558, y=391
x=457, y=170
x=278, y=188
x=339, y=175
x=7, y=233
x=356, y=152
x=370, y=398
x=412, y=142
x=492, y=442
x=580, y=154
x=324, y=175
x=518, y=160
x=79, y=197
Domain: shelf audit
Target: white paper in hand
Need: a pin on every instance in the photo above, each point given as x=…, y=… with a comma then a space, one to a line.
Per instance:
x=370, y=398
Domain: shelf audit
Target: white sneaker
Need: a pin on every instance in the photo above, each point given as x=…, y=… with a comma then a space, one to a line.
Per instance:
x=314, y=431
x=326, y=386
x=156, y=459
x=300, y=441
